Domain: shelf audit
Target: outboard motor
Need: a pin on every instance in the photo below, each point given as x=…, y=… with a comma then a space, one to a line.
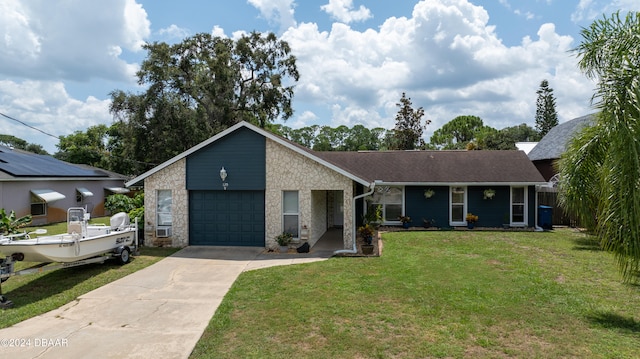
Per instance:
x=119, y=221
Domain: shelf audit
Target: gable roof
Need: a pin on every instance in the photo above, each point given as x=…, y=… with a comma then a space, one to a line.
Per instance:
x=439, y=167
x=16, y=164
x=417, y=167
x=555, y=142
x=282, y=141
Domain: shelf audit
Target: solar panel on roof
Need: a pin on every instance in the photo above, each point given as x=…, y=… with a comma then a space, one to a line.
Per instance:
x=20, y=164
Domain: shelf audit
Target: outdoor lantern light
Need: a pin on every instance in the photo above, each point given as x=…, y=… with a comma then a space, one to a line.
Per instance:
x=223, y=175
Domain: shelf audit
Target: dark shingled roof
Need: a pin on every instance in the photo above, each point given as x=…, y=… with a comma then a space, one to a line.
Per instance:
x=25, y=164
x=437, y=166
x=554, y=143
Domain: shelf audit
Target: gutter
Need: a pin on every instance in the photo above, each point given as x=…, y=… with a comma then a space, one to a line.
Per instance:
x=354, y=250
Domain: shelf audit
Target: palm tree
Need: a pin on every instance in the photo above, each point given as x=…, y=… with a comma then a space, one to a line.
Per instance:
x=600, y=173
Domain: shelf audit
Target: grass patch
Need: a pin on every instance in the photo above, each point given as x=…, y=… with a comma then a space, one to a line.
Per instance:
x=436, y=294
x=35, y=294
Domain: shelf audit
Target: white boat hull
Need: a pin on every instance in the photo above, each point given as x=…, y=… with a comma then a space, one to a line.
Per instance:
x=67, y=247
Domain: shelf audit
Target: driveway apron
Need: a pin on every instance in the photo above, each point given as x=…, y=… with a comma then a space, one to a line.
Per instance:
x=158, y=312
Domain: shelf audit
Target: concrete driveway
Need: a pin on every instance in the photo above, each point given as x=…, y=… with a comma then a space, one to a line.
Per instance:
x=158, y=312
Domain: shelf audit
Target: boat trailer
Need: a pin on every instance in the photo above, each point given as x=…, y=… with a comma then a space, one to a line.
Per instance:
x=7, y=266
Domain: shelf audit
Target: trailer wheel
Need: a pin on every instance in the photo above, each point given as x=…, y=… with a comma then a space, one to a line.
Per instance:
x=124, y=255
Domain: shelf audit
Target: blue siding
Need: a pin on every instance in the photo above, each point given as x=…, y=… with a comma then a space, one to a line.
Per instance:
x=435, y=208
x=491, y=212
x=242, y=154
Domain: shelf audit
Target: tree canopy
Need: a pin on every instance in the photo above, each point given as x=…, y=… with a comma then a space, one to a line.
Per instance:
x=599, y=171
x=457, y=133
x=198, y=88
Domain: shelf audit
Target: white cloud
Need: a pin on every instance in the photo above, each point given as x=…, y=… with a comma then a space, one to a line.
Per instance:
x=446, y=57
x=73, y=44
x=174, y=32
x=47, y=106
x=589, y=10
x=342, y=10
x=276, y=11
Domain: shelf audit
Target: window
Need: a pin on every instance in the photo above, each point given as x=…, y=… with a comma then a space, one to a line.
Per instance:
x=290, y=213
x=458, y=210
x=164, y=207
x=390, y=199
x=518, y=205
x=38, y=206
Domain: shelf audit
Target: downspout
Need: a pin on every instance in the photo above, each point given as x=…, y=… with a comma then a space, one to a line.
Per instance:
x=354, y=250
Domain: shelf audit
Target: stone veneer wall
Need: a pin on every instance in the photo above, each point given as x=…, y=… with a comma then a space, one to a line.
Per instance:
x=288, y=170
x=172, y=177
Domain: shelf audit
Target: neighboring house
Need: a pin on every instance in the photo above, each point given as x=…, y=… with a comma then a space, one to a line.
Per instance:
x=245, y=186
x=551, y=147
x=45, y=187
x=545, y=155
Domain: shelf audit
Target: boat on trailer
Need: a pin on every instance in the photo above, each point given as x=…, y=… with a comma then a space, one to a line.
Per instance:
x=82, y=244
x=81, y=241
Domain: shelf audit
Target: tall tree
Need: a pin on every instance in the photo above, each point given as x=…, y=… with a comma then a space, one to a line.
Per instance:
x=599, y=172
x=457, y=133
x=546, y=114
x=200, y=87
x=409, y=127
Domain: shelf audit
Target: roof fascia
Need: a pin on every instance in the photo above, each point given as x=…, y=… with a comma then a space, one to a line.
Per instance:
x=381, y=183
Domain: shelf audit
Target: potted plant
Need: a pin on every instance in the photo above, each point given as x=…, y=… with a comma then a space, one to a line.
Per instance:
x=471, y=220
x=405, y=221
x=283, y=241
x=366, y=232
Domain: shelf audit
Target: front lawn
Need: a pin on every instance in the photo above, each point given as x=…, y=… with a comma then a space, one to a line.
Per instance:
x=448, y=294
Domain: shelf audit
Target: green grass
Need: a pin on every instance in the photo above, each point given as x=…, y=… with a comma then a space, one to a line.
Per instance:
x=453, y=294
x=35, y=294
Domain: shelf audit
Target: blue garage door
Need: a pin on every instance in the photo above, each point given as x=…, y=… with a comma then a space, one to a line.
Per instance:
x=226, y=218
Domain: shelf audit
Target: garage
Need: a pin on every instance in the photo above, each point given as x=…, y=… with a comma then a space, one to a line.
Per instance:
x=227, y=218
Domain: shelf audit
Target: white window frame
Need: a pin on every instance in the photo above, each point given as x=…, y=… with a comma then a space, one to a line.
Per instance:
x=383, y=202
x=162, y=216
x=464, y=206
x=285, y=213
x=39, y=203
x=525, y=204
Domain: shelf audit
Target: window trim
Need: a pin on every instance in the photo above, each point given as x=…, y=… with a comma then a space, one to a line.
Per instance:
x=524, y=204
x=158, y=212
x=296, y=236
x=383, y=203
x=464, y=206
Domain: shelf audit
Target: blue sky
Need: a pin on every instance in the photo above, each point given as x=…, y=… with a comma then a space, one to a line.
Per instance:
x=355, y=57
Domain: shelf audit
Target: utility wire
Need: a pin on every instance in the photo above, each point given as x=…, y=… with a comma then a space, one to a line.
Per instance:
x=28, y=125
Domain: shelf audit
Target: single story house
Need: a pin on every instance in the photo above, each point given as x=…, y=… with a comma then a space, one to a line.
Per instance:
x=45, y=187
x=245, y=186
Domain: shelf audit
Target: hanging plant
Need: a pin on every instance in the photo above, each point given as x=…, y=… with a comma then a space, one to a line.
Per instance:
x=489, y=193
x=429, y=193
